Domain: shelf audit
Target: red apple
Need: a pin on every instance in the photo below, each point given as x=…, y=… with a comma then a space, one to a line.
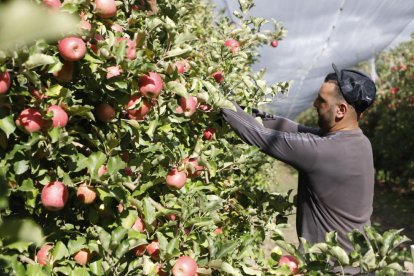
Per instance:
x=291, y=261
x=274, y=43
x=82, y=256
x=192, y=167
x=131, y=47
x=66, y=73
x=153, y=250
x=187, y=106
x=140, y=250
x=209, y=133
x=233, y=45
x=394, y=90
x=42, y=255
x=31, y=120
x=105, y=112
x=218, y=76
x=4, y=82
x=172, y=217
x=176, y=179
x=140, y=110
x=182, y=66
x=86, y=194
x=150, y=85
x=60, y=117
x=218, y=231
x=38, y=95
x=102, y=170
x=185, y=266
x=128, y=171
x=84, y=23
x=53, y=4
x=105, y=8
x=117, y=28
x=113, y=71
x=54, y=196
x=139, y=225
x=72, y=48
x=205, y=107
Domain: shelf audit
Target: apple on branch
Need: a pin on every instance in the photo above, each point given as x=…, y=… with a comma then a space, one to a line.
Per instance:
x=105, y=112
x=187, y=106
x=105, y=8
x=72, y=48
x=185, y=266
x=233, y=45
x=42, y=256
x=60, y=117
x=176, y=179
x=54, y=196
x=150, y=85
x=86, y=194
x=30, y=120
x=5, y=82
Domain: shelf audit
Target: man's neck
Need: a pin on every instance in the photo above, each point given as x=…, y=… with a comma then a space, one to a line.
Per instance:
x=344, y=127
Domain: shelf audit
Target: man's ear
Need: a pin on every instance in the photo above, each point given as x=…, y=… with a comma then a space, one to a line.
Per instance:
x=341, y=110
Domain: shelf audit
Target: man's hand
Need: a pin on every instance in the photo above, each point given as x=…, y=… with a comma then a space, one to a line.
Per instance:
x=258, y=113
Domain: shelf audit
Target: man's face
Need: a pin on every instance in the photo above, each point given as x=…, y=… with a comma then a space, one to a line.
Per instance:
x=325, y=105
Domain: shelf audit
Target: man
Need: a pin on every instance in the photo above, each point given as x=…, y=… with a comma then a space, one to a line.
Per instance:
x=335, y=163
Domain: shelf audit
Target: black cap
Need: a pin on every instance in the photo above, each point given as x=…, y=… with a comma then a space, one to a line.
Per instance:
x=357, y=88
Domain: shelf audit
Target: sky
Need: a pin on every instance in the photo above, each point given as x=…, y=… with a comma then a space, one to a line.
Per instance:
x=320, y=32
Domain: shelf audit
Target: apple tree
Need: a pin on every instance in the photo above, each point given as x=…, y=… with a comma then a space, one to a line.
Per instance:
x=114, y=158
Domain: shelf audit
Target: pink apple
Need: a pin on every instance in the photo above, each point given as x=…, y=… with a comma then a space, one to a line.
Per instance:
x=105, y=8
x=192, y=167
x=131, y=47
x=86, y=194
x=150, y=85
x=82, y=256
x=38, y=95
x=5, y=82
x=105, y=112
x=66, y=72
x=218, y=76
x=233, y=45
x=153, y=250
x=117, y=28
x=176, y=179
x=205, y=107
x=72, y=48
x=140, y=250
x=128, y=171
x=274, y=43
x=291, y=261
x=185, y=266
x=209, y=133
x=182, y=66
x=102, y=170
x=187, y=106
x=42, y=256
x=60, y=117
x=113, y=71
x=54, y=196
x=140, y=111
x=394, y=90
x=218, y=231
x=139, y=225
x=53, y=4
x=30, y=119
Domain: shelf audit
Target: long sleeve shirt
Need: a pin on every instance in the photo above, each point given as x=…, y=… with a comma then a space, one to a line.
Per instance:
x=336, y=172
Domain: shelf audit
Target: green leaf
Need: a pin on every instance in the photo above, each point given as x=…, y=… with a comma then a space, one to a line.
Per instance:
x=179, y=51
x=38, y=60
x=96, y=267
x=122, y=249
x=27, y=185
x=115, y=164
x=20, y=246
x=95, y=161
x=340, y=255
x=120, y=51
x=152, y=127
x=149, y=211
x=7, y=125
x=117, y=235
x=80, y=271
x=226, y=249
x=76, y=245
x=54, y=134
x=54, y=90
x=35, y=270
x=177, y=88
x=173, y=245
x=59, y=251
x=104, y=238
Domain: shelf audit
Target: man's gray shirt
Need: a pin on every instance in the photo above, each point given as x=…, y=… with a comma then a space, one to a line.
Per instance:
x=336, y=172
